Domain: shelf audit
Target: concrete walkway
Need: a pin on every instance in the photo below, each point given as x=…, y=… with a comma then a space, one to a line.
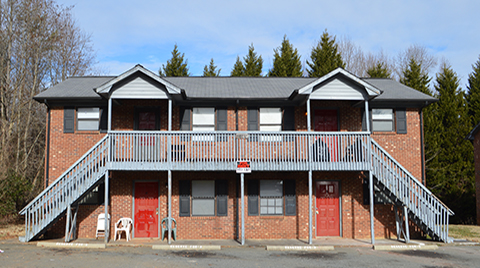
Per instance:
x=327, y=243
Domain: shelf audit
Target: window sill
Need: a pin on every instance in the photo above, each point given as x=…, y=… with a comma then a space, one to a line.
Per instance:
x=272, y=217
x=88, y=132
x=384, y=132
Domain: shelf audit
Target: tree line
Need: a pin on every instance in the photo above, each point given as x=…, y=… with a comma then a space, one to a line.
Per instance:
x=449, y=165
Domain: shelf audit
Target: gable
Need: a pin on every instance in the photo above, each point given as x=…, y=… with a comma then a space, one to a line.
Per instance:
x=338, y=88
x=139, y=87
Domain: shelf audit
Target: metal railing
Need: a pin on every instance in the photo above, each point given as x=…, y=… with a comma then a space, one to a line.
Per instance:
x=67, y=189
x=267, y=151
x=410, y=192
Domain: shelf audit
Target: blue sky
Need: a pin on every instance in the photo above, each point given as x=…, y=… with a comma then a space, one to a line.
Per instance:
x=126, y=33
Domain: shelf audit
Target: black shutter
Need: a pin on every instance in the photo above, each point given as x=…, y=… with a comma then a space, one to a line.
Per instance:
x=252, y=192
x=222, y=119
x=289, y=118
x=184, y=193
x=290, y=198
x=68, y=120
x=401, y=121
x=185, y=118
x=103, y=119
x=222, y=197
x=252, y=119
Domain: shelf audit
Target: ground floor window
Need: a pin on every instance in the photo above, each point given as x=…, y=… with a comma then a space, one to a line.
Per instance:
x=271, y=197
x=203, y=197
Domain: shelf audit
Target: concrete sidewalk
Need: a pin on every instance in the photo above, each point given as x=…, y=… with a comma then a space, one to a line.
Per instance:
x=319, y=244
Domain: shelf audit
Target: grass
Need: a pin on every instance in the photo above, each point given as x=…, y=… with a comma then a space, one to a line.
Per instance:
x=470, y=232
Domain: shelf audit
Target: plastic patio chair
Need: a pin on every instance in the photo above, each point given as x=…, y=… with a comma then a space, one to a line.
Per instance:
x=123, y=225
x=101, y=225
x=164, y=224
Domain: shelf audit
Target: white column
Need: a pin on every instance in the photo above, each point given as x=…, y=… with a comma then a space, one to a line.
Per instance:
x=310, y=221
x=109, y=114
x=169, y=223
x=107, y=221
x=367, y=116
x=372, y=227
x=242, y=192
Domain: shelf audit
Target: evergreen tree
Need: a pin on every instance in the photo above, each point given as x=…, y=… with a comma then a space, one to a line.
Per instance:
x=211, y=70
x=253, y=64
x=237, y=68
x=286, y=62
x=175, y=66
x=450, y=172
x=379, y=70
x=473, y=95
x=325, y=57
x=415, y=77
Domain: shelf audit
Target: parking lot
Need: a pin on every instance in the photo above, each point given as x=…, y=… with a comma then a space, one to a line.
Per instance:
x=16, y=254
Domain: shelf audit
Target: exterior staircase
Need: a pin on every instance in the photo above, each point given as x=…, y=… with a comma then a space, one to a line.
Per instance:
x=51, y=204
x=424, y=208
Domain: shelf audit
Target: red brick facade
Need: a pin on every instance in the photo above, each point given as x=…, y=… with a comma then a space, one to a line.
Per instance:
x=65, y=149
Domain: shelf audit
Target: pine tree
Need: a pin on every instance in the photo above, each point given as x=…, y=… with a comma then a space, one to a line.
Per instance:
x=325, y=57
x=175, y=66
x=211, y=70
x=237, y=68
x=473, y=94
x=380, y=70
x=415, y=77
x=253, y=64
x=286, y=62
x=450, y=172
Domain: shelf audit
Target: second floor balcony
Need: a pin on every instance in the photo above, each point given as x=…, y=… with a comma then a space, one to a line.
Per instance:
x=220, y=151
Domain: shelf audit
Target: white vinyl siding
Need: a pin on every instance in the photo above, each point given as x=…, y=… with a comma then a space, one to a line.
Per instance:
x=203, y=198
x=382, y=120
x=270, y=119
x=271, y=197
x=139, y=88
x=88, y=118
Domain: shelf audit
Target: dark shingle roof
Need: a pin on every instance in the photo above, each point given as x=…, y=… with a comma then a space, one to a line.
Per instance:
x=75, y=88
x=239, y=87
x=395, y=91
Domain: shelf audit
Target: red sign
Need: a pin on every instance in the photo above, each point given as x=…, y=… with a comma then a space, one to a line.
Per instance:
x=243, y=167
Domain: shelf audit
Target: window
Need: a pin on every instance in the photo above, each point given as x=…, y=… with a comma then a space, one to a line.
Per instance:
x=88, y=118
x=270, y=119
x=146, y=118
x=203, y=119
x=271, y=197
x=205, y=197
x=382, y=120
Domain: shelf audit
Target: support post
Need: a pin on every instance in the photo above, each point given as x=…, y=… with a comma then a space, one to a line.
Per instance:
x=367, y=116
x=67, y=228
x=310, y=207
x=407, y=231
x=169, y=222
x=309, y=119
x=242, y=193
x=372, y=227
x=109, y=114
x=107, y=218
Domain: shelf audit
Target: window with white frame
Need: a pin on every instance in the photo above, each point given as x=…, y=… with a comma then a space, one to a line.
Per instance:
x=88, y=118
x=203, y=119
x=271, y=197
x=270, y=119
x=203, y=198
x=382, y=120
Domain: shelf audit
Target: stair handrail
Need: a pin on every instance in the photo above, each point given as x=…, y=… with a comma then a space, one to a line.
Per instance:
x=423, y=187
x=57, y=181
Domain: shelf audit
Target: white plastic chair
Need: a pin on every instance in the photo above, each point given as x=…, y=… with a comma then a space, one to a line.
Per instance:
x=123, y=225
x=101, y=225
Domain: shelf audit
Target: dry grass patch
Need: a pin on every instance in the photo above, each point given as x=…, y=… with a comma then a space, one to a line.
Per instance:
x=12, y=230
x=470, y=232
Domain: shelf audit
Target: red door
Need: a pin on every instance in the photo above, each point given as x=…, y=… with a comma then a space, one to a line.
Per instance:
x=146, y=209
x=327, y=120
x=328, y=208
x=146, y=121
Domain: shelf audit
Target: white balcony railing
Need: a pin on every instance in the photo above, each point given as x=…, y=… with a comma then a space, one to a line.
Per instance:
x=267, y=151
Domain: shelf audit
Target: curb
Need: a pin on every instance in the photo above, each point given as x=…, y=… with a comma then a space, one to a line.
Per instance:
x=405, y=247
x=300, y=248
x=70, y=245
x=186, y=247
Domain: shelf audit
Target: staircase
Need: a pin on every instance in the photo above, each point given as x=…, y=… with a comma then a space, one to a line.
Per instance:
x=425, y=209
x=50, y=205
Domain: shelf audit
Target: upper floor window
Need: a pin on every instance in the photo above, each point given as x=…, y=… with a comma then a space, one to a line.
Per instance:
x=382, y=120
x=203, y=119
x=270, y=119
x=88, y=118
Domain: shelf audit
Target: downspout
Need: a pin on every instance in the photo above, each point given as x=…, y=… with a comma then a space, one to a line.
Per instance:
x=47, y=156
x=422, y=147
